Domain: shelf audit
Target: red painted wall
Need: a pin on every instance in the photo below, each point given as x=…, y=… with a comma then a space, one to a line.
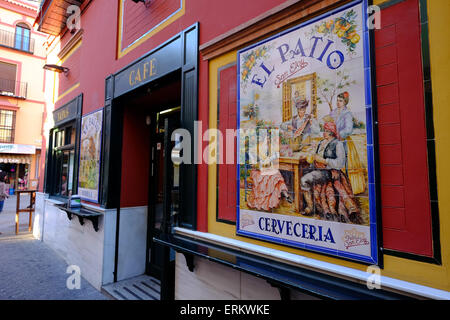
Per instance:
x=69, y=80
x=100, y=24
x=98, y=58
x=406, y=212
x=135, y=159
x=137, y=21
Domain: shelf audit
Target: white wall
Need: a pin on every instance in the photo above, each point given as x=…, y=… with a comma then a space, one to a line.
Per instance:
x=213, y=281
x=78, y=244
x=132, y=242
x=92, y=251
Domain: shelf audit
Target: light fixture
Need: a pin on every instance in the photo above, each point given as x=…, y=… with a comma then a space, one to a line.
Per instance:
x=146, y=2
x=56, y=68
x=169, y=110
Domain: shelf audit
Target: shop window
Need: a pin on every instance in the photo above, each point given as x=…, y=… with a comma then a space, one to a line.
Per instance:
x=64, y=160
x=227, y=119
x=7, y=126
x=63, y=157
x=22, y=37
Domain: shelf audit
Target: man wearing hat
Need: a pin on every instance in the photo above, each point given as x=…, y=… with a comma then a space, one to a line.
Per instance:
x=302, y=124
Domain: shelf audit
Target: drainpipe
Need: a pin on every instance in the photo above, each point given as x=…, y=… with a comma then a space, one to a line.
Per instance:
x=116, y=249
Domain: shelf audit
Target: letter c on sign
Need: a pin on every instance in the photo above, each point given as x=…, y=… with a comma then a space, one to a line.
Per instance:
x=260, y=224
x=131, y=78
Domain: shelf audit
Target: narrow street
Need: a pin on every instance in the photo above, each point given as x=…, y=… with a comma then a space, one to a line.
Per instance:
x=29, y=270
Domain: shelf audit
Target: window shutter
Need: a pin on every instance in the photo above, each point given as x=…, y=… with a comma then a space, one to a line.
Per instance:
x=227, y=116
x=405, y=195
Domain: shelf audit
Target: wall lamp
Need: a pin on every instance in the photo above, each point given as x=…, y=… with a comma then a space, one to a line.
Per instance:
x=56, y=68
x=146, y=2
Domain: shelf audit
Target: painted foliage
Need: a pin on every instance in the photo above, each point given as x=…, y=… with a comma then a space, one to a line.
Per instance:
x=305, y=130
x=90, y=152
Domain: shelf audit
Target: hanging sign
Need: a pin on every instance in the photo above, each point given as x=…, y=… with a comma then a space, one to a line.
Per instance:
x=17, y=148
x=90, y=153
x=306, y=166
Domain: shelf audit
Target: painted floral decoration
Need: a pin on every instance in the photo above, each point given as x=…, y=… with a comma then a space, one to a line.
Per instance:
x=344, y=27
x=250, y=59
x=251, y=111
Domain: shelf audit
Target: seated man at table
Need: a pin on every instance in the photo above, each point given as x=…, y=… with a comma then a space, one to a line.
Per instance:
x=326, y=179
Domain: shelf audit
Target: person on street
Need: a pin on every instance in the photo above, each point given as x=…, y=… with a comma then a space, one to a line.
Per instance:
x=3, y=191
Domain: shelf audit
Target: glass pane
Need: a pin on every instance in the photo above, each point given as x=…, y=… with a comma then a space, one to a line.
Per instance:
x=26, y=40
x=55, y=139
x=61, y=138
x=71, y=164
x=68, y=135
x=58, y=139
x=18, y=43
x=8, y=118
x=64, y=174
x=58, y=167
x=159, y=156
x=73, y=136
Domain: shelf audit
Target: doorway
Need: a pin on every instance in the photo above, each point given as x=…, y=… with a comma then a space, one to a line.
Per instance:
x=143, y=113
x=163, y=186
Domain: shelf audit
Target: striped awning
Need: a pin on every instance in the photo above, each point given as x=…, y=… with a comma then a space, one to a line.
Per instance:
x=15, y=158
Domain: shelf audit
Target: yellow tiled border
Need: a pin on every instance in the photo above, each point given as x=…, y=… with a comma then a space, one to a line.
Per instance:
x=436, y=276
x=67, y=92
x=123, y=51
x=68, y=54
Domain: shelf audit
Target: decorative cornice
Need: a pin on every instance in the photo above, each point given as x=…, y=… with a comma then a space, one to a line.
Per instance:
x=70, y=44
x=281, y=17
x=23, y=5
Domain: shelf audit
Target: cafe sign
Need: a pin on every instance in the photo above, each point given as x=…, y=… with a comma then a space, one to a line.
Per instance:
x=66, y=113
x=304, y=102
x=158, y=63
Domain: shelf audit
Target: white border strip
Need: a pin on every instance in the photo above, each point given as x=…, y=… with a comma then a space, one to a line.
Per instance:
x=330, y=268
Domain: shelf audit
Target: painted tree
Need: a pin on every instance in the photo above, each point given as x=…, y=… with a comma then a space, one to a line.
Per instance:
x=327, y=89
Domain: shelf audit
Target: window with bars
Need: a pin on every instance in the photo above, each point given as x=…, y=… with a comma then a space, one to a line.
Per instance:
x=7, y=125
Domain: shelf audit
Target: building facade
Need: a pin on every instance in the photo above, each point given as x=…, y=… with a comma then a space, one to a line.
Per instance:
x=22, y=104
x=344, y=105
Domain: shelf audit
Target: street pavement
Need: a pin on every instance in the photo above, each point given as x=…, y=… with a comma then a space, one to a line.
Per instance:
x=29, y=269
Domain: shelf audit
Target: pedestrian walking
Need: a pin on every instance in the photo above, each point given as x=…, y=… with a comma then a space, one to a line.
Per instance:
x=3, y=191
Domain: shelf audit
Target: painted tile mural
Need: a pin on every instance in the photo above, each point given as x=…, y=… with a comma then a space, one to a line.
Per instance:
x=304, y=119
x=90, y=153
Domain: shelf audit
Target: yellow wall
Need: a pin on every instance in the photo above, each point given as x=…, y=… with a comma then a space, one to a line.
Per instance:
x=409, y=270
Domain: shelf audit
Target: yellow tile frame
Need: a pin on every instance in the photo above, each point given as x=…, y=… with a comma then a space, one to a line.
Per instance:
x=59, y=63
x=427, y=274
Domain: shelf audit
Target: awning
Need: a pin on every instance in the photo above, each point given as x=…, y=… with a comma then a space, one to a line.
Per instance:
x=52, y=15
x=15, y=158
